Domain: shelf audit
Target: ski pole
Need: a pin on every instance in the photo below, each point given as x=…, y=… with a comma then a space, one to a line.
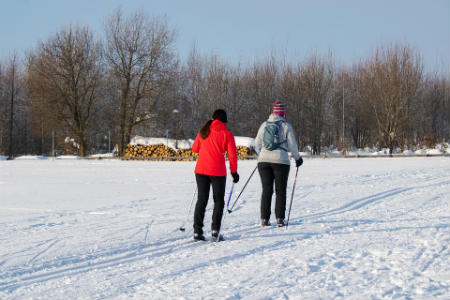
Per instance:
x=223, y=215
x=182, y=228
x=292, y=197
x=231, y=193
x=235, y=201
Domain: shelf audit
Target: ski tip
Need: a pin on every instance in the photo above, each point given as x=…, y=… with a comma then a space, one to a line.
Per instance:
x=182, y=229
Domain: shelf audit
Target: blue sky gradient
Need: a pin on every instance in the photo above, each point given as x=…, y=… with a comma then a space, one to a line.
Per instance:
x=241, y=31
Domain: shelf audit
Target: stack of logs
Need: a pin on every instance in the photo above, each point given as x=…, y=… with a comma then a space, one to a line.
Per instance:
x=155, y=152
x=162, y=152
x=244, y=152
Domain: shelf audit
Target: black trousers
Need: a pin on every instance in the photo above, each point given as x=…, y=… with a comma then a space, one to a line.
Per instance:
x=270, y=172
x=203, y=185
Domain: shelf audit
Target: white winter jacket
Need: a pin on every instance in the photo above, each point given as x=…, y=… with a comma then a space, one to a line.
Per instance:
x=278, y=156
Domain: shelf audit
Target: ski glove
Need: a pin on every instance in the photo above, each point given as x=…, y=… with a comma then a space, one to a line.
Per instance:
x=235, y=177
x=299, y=162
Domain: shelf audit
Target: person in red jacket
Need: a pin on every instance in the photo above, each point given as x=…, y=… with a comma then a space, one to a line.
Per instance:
x=212, y=141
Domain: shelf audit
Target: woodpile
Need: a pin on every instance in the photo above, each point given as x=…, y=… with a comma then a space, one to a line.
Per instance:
x=159, y=151
x=187, y=155
x=162, y=152
x=244, y=152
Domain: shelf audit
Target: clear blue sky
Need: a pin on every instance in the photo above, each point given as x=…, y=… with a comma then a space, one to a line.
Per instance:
x=242, y=30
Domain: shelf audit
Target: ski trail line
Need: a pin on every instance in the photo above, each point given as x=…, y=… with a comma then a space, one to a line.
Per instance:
x=42, y=252
x=127, y=251
x=75, y=269
x=362, y=202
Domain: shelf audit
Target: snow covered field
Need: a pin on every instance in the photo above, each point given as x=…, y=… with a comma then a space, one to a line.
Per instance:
x=373, y=228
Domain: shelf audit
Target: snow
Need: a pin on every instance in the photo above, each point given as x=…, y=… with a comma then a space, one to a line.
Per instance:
x=245, y=141
x=435, y=151
x=104, y=155
x=372, y=228
x=74, y=157
x=65, y=157
x=381, y=152
x=69, y=140
x=421, y=152
x=31, y=157
x=172, y=143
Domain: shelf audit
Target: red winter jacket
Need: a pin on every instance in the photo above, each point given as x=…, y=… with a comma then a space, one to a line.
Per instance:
x=211, y=160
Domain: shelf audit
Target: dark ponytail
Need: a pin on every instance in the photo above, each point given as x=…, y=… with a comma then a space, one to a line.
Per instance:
x=220, y=115
x=204, y=131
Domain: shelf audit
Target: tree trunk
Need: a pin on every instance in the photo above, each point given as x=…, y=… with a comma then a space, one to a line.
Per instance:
x=81, y=144
x=11, y=114
x=122, y=119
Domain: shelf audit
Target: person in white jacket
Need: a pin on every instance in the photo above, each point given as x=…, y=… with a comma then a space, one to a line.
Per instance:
x=275, y=139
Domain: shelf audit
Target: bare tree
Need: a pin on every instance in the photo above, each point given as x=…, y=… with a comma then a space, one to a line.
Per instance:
x=239, y=107
x=356, y=122
x=3, y=111
x=263, y=90
x=64, y=76
x=430, y=110
x=291, y=91
x=436, y=112
x=11, y=90
x=391, y=79
x=139, y=55
x=11, y=77
x=316, y=81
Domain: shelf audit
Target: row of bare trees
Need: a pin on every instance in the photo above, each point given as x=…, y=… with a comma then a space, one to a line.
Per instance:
x=102, y=92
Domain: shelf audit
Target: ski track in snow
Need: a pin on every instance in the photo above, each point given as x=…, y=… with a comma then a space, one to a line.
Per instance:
x=370, y=229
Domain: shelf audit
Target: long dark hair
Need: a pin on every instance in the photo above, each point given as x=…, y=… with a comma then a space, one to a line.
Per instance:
x=218, y=114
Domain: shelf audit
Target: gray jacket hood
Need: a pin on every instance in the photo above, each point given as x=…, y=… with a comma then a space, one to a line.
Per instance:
x=275, y=118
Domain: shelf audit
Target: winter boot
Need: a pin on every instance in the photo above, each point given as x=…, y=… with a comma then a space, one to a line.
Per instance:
x=265, y=222
x=216, y=236
x=280, y=222
x=199, y=237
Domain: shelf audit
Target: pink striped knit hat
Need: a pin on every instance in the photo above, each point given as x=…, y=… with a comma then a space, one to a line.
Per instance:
x=279, y=108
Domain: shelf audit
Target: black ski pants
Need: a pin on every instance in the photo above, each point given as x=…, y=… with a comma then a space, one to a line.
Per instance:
x=203, y=185
x=269, y=173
